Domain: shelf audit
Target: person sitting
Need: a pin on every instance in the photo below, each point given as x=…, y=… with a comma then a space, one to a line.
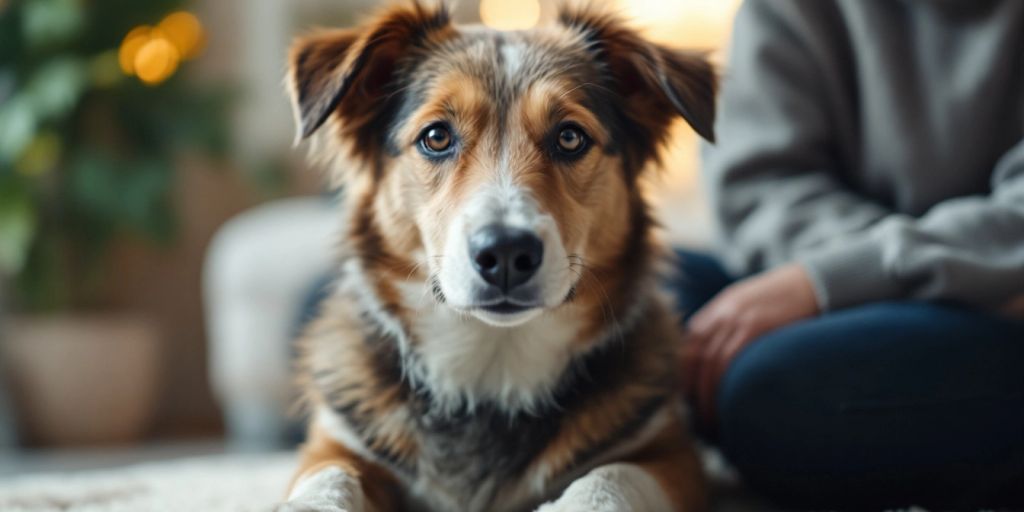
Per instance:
x=859, y=342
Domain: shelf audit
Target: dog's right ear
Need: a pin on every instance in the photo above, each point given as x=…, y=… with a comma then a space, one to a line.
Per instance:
x=348, y=71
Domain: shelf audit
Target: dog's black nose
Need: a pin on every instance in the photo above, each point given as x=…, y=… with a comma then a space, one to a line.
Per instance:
x=505, y=257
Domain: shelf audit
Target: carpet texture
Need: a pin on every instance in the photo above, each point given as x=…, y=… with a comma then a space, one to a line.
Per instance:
x=230, y=483
x=220, y=483
x=236, y=483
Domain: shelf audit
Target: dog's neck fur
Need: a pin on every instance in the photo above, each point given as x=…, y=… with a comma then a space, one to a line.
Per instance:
x=462, y=362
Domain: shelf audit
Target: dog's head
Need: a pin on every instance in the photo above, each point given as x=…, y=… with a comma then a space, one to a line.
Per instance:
x=499, y=167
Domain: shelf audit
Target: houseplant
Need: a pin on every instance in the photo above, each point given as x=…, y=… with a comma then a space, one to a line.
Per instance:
x=94, y=115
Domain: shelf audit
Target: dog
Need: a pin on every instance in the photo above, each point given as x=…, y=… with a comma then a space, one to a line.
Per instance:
x=496, y=340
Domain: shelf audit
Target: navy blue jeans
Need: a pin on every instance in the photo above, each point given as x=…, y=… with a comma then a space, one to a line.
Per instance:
x=884, y=405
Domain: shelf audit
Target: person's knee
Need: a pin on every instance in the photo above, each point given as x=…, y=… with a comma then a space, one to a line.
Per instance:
x=759, y=424
x=860, y=392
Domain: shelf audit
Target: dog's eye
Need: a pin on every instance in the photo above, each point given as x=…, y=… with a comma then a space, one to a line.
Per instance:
x=571, y=140
x=436, y=139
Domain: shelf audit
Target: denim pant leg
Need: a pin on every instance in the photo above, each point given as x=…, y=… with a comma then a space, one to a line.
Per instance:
x=699, y=278
x=888, y=404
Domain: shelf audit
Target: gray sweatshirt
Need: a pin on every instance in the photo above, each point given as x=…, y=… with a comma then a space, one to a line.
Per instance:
x=878, y=142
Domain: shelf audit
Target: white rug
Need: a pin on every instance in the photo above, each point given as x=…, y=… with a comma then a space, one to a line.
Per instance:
x=225, y=483
x=215, y=483
x=236, y=483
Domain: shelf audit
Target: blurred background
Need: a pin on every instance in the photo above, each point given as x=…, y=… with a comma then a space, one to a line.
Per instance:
x=159, y=236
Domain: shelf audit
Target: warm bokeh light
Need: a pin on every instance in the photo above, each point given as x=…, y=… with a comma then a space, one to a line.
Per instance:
x=184, y=31
x=675, y=190
x=154, y=53
x=689, y=23
x=510, y=14
x=130, y=45
x=156, y=61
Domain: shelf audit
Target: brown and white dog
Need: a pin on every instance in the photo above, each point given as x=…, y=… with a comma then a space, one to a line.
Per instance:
x=496, y=340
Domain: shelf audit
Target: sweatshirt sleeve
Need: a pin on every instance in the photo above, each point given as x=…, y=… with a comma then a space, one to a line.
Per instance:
x=968, y=249
x=778, y=195
x=772, y=176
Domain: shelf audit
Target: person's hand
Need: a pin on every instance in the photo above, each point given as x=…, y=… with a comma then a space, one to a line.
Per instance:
x=1014, y=307
x=737, y=316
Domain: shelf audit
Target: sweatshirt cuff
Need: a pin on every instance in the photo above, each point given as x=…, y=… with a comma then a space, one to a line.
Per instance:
x=850, y=274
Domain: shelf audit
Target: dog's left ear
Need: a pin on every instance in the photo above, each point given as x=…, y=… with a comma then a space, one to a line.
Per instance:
x=655, y=81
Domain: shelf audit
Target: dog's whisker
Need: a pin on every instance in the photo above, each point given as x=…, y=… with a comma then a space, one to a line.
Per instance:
x=607, y=309
x=413, y=270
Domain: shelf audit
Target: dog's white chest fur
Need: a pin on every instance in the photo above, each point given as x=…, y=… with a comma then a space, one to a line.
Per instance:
x=464, y=361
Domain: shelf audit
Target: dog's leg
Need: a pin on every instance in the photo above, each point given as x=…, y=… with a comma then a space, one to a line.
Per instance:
x=332, y=478
x=665, y=476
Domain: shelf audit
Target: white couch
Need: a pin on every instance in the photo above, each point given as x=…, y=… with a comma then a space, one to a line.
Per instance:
x=260, y=269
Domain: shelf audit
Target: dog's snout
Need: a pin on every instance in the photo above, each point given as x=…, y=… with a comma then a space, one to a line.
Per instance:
x=505, y=257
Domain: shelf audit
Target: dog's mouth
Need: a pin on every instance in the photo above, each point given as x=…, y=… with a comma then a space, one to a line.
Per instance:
x=506, y=308
x=506, y=313
x=499, y=309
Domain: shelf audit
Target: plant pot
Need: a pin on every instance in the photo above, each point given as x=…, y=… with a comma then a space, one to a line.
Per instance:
x=81, y=379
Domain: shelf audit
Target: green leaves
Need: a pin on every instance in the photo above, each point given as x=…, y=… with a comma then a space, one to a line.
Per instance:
x=107, y=196
x=17, y=226
x=55, y=87
x=17, y=127
x=49, y=22
x=88, y=154
x=49, y=96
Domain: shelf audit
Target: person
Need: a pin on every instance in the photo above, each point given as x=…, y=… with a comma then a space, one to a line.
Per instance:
x=868, y=183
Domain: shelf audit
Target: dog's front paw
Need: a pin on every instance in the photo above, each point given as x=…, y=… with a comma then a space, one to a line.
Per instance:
x=558, y=506
x=576, y=504
x=590, y=494
x=611, y=488
x=310, y=506
x=328, y=490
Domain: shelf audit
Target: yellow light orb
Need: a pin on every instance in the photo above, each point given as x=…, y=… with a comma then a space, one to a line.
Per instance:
x=510, y=14
x=156, y=61
x=689, y=23
x=130, y=45
x=185, y=32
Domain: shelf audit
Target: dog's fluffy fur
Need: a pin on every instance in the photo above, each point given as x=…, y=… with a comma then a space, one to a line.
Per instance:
x=423, y=400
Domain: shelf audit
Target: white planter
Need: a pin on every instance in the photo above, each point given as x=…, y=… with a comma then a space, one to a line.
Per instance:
x=81, y=379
